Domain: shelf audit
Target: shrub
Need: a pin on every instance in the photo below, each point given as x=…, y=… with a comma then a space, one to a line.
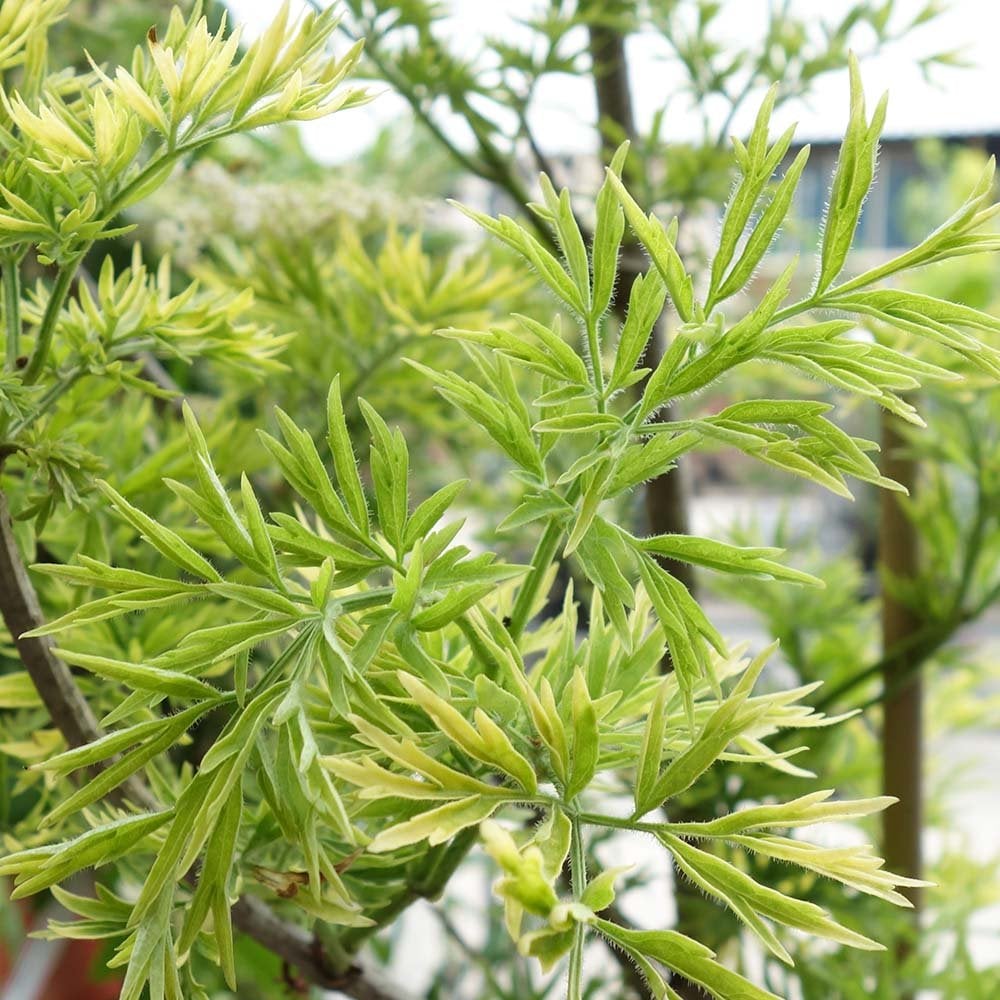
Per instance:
x=379, y=698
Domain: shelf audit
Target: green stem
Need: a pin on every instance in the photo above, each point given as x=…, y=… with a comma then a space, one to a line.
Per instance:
x=920, y=644
x=121, y=199
x=48, y=400
x=618, y=823
x=578, y=875
x=389, y=350
x=981, y=516
x=12, y=309
x=471, y=954
x=548, y=544
x=594, y=346
x=48, y=328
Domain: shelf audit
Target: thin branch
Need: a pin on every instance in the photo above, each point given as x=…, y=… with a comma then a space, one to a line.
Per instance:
x=542, y=162
x=578, y=881
x=12, y=308
x=416, y=105
x=19, y=605
x=75, y=719
x=483, y=964
x=301, y=950
x=47, y=329
x=494, y=165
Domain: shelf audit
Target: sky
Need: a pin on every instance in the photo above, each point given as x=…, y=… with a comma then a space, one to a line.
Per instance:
x=956, y=101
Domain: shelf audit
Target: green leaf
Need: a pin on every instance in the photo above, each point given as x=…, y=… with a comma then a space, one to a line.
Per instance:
x=344, y=463
x=686, y=632
x=41, y=867
x=585, y=748
x=258, y=532
x=855, y=867
x=609, y=228
x=529, y=873
x=506, y=421
x=579, y=423
x=549, y=947
x=599, y=893
x=258, y=598
x=390, y=469
x=851, y=181
x=409, y=756
x=756, y=164
x=211, y=501
x=211, y=886
x=651, y=751
x=560, y=211
x=686, y=957
x=201, y=648
x=594, y=490
x=430, y=511
x=725, y=558
x=437, y=825
x=763, y=233
x=733, y=717
x=441, y=613
x=242, y=729
x=485, y=741
x=645, y=304
x=639, y=463
x=17, y=690
x=141, y=677
x=153, y=738
x=931, y=318
x=816, y=807
x=751, y=900
x=563, y=362
x=520, y=240
x=306, y=474
x=659, y=243
x=736, y=346
x=162, y=539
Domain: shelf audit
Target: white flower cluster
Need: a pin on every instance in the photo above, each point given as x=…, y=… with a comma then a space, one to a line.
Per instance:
x=199, y=202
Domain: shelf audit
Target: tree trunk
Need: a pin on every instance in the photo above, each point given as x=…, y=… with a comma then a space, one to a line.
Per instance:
x=902, y=729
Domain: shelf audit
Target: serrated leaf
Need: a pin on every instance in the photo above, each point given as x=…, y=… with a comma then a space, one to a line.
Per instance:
x=585, y=747
x=162, y=539
x=609, y=228
x=344, y=462
x=140, y=676
x=726, y=558
x=851, y=181
x=437, y=825
x=686, y=957
x=748, y=897
x=659, y=244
